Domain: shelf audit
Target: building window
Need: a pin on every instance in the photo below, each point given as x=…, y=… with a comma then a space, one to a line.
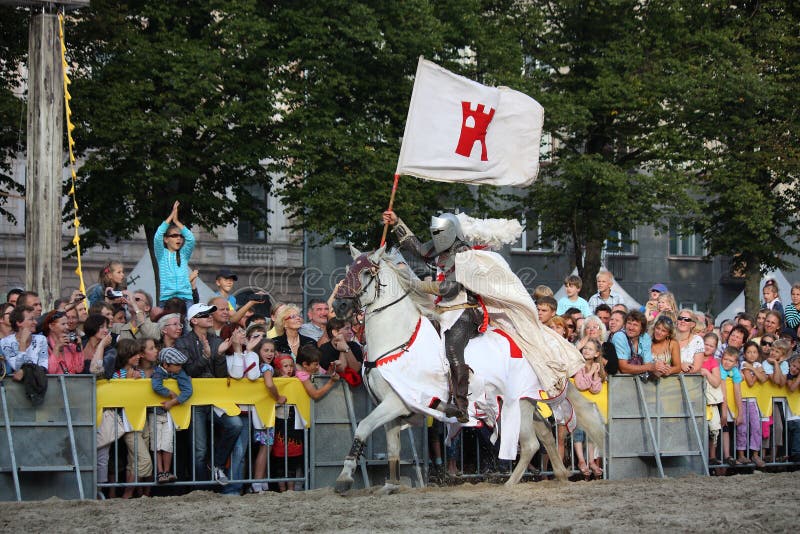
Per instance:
x=688, y=244
x=256, y=231
x=531, y=239
x=620, y=243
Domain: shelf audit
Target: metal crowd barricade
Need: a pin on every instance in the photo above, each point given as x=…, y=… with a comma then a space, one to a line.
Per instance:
x=48, y=450
x=51, y=450
x=184, y=462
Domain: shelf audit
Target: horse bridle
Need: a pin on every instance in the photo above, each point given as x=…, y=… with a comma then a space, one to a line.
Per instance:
x=352, y=284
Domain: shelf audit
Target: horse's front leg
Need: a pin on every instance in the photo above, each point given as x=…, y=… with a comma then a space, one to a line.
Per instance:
x=390, y=408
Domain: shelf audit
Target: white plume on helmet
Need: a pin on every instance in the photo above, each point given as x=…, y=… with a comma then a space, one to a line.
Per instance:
x=494, y=233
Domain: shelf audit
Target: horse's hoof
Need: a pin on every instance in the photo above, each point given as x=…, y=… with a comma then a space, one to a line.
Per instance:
x=343, y=486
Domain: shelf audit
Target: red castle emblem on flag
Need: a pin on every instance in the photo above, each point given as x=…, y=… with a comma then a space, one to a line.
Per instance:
x=473, y=128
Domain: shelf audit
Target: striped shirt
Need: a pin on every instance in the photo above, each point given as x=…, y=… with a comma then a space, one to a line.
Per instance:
x=174, y=278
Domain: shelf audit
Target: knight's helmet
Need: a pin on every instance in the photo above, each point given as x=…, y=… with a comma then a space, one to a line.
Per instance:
x=445, y=229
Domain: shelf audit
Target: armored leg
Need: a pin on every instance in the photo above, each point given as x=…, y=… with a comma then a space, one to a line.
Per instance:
x=456, y=339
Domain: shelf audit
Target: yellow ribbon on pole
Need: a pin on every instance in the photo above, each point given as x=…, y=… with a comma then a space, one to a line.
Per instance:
x=76, y=240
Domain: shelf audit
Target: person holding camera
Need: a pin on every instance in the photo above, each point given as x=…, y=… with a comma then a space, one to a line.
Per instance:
x=64, y=358
x=111, y=282
x=173, y=244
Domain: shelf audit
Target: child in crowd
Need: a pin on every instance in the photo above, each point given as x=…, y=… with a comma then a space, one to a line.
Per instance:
x=752, y=372
x=714, y=396
x=546, y=307
x=139, y=464
x=266, y=436
x=112, y=277
x=173, y=245
x=650, y=308
x=288, y=446
x=572, y=286
x=129, y=353
x=541, y=291
x=149, y=359
x=772, y=298
x=791, y=313
x=287, y=449
x=171, y=366
x=667, y=306
x=776, y=366
x=729, y=370
x=589, y=377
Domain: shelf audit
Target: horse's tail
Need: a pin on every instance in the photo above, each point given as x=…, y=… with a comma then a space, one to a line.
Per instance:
x=589, y=418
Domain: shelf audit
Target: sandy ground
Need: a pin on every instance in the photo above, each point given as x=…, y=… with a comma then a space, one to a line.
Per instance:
x=756, y=503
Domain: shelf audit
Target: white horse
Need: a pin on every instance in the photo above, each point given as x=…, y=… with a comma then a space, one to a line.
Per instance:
x=403, y=345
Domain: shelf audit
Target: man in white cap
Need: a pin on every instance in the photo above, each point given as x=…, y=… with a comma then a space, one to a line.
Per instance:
x=205, y=358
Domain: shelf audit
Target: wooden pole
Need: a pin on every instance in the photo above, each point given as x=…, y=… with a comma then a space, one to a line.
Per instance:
x=391, y=205
x=44, y=165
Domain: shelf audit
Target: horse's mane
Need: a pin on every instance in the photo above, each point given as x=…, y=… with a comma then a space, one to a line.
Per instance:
x=407, y=278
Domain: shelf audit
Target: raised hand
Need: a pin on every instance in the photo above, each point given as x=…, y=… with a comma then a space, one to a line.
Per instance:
x=389, y=217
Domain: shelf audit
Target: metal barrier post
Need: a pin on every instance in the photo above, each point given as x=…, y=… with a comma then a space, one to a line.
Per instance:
x=70, y=430
x=688, y=402
x=651, y=432
x=14, y=469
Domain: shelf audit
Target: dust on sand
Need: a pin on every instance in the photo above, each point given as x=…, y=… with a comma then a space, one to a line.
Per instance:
x=757, y=502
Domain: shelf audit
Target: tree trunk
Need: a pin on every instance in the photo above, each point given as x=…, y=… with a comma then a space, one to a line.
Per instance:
x=752, y=281
x=591, y=266
x=44, y=162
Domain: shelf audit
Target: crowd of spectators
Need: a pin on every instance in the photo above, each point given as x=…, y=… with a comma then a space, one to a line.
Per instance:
x=119, y=334
x=660, y=339
x=114, y=333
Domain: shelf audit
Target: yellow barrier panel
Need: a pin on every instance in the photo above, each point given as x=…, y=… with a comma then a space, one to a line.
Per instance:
x=764, y=395
x=138, y=395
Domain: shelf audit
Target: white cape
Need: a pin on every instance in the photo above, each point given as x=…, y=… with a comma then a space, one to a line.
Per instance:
x=511, y=308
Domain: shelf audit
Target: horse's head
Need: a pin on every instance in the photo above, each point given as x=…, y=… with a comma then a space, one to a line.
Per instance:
x=360, y=286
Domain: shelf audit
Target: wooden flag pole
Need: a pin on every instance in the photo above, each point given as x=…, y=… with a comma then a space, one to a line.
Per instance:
x=391, y=205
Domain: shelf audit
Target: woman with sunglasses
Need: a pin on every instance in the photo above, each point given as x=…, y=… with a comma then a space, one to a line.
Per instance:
x=287, y=325
x=63, y=356
x=691, y=344
x=173, y=244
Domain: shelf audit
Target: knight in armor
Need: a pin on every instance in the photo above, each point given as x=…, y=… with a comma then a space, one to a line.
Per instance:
x=460, y=312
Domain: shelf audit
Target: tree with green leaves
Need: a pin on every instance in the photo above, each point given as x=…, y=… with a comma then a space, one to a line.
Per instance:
x=173, y=101
x=348, y=94
x=197, y=103
x=13, y=50
x=743, y=129
x=602, y=71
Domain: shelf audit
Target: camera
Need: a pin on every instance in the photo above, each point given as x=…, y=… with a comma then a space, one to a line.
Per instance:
x=73, y=337
x=113, y=294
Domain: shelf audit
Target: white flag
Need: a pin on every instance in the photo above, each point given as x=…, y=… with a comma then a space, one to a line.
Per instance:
x=461, y=131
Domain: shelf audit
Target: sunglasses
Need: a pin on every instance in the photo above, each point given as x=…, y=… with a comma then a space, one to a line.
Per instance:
x=766, y=343
x=686, y=319
x=202, y=316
